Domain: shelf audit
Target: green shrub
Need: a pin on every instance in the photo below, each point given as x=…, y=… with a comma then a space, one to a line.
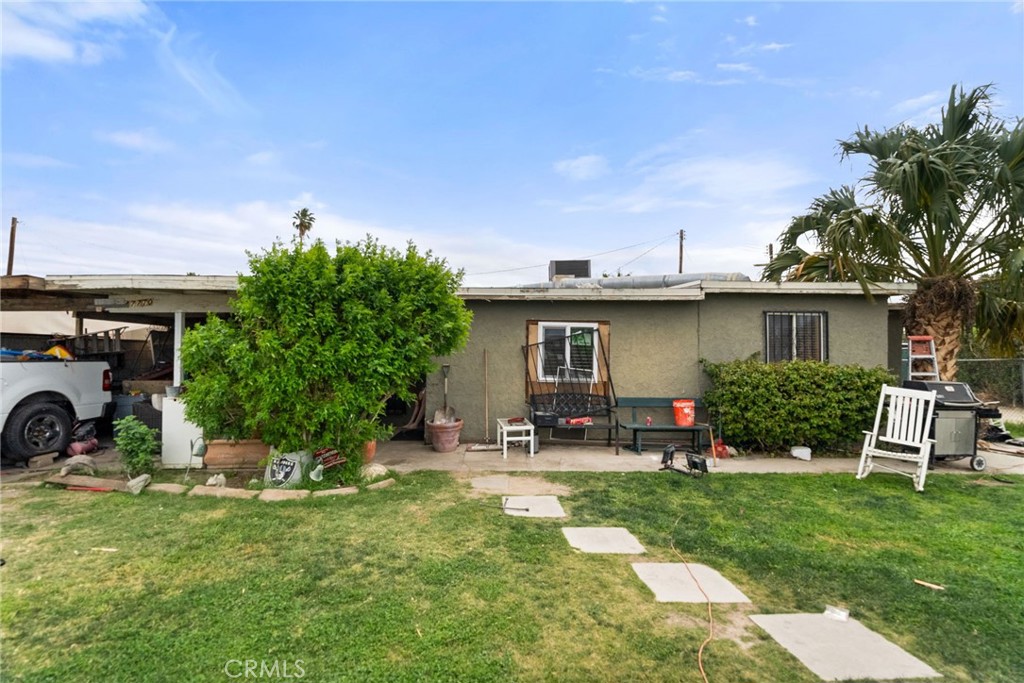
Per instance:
x=137, y=445
x=773, y=406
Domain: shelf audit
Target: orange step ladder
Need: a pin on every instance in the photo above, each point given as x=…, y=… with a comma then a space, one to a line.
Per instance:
x=922, y=349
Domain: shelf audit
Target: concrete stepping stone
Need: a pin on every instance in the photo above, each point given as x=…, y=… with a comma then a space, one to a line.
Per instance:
x=532, y=506
x=603, y=540
x=671, y=582
x=840, y=650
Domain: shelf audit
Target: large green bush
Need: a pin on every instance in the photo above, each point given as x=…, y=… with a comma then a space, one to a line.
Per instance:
x=773, y=406
x=320, y=341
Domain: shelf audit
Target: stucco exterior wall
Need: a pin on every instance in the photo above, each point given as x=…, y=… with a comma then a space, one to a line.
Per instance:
x=654, y=350
x=732, y=325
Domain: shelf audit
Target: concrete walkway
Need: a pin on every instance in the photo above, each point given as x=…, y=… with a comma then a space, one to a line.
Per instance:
x=410, y=456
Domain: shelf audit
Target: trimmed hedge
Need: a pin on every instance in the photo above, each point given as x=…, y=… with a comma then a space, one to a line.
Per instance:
x=774, y=406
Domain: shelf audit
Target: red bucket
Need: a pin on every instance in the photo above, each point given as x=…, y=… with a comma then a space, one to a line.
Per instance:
x=685, y=412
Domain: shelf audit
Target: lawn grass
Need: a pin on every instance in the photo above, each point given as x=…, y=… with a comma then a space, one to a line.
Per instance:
x=420, y=582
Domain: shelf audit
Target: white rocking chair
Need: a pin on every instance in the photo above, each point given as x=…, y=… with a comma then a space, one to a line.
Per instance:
x=903, y=436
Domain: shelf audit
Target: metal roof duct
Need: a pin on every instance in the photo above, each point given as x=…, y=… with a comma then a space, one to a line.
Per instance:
x=639, y=281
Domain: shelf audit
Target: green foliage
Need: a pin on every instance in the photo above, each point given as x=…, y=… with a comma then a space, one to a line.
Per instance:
x=939, y=204
x=209, y=354
x=773, y=406
x=319, y=342
x=137, y=444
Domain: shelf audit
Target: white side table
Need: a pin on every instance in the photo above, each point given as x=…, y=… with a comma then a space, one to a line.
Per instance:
x=515, y=432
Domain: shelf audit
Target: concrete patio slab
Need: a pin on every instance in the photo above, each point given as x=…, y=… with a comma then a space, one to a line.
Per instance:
x=671, y=582
x=841, y=650
x=603, y=540
x=532, y=506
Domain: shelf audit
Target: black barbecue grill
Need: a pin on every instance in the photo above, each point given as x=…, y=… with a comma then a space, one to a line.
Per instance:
x=955, y=422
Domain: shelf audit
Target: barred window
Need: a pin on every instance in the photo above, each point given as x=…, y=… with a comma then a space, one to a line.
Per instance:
x=795, y=336
x=567, y=351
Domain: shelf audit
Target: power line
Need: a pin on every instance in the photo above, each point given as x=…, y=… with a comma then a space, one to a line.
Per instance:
x=603, y=253
x=646, y=252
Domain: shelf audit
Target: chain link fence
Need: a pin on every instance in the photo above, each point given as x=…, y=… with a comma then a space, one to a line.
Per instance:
x=994, y=379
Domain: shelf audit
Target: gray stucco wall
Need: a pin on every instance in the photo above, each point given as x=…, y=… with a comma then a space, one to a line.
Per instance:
x=654, y=349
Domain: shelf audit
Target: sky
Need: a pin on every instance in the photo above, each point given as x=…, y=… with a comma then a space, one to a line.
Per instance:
x=173, y=138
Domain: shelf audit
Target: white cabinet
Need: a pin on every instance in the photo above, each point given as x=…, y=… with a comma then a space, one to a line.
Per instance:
x=178, y=435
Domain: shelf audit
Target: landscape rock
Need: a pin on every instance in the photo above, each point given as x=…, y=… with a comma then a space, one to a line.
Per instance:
x=140, y=482
x=381, y=484
x=222, y=492
x=173, y=489
x=373, y=471
x=40, y=461
x=79, y=463
x=283, y=494
x=217, y=480
x=340, y=491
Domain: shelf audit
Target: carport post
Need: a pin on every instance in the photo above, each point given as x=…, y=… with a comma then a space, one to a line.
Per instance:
x=179, y=329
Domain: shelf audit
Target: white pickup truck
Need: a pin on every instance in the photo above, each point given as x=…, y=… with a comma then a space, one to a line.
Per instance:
x=40, y=401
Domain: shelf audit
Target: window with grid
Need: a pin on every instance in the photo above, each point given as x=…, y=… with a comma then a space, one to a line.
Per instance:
x=795, y=336
x=567, y=351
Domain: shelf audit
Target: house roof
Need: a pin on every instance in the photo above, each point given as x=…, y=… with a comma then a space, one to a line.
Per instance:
x=152, y=299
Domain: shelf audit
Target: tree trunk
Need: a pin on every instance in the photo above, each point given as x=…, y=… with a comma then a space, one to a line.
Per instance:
x=939, y=309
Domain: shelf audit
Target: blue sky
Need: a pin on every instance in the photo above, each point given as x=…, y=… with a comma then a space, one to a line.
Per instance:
x=171, y=137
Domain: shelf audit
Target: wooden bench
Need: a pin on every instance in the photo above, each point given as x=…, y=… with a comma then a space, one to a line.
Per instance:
x=560, y=410
x=638, y=423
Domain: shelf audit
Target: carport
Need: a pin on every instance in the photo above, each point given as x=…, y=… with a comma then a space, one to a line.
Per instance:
x=175, y=302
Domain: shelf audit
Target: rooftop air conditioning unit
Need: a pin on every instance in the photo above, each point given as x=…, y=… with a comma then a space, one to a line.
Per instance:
x=563, y=269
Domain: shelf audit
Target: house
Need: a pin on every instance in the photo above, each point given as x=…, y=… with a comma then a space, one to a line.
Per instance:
x=646, y=336
x=636, y=336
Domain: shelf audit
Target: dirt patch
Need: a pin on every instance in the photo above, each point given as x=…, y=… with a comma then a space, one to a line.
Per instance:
x=483, y=486
x=992, y=481
x=731, y=623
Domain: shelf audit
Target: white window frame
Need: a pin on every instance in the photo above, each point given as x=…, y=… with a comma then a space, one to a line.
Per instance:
x=551, y=374
x=822, y=319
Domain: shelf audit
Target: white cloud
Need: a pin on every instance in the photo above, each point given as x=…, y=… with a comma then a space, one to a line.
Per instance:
x=33, y=160
x=669, y=181
x=663, y=74
x=742, y=67
x=915, y=104
x=178, y=56
x=1018, y=7
x=145, y=140
x=67, y=32
x=763, y=47
x=263, y=158
x=749, y=20
x=586, y=167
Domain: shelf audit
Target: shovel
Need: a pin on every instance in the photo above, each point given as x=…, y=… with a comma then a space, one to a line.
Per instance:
x=446, y=414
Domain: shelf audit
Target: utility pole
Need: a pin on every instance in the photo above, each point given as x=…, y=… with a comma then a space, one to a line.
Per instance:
x=10, y=249
x=682, y=238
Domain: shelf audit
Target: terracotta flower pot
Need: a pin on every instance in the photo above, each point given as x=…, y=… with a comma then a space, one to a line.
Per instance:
x=222, y=454
x=444, y=436
x=369, y=451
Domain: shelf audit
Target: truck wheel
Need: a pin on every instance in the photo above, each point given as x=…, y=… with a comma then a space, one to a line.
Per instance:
x=36, y=428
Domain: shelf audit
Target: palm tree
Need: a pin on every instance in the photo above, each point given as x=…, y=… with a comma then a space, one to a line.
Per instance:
x=303, y=222
x=941, y=206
